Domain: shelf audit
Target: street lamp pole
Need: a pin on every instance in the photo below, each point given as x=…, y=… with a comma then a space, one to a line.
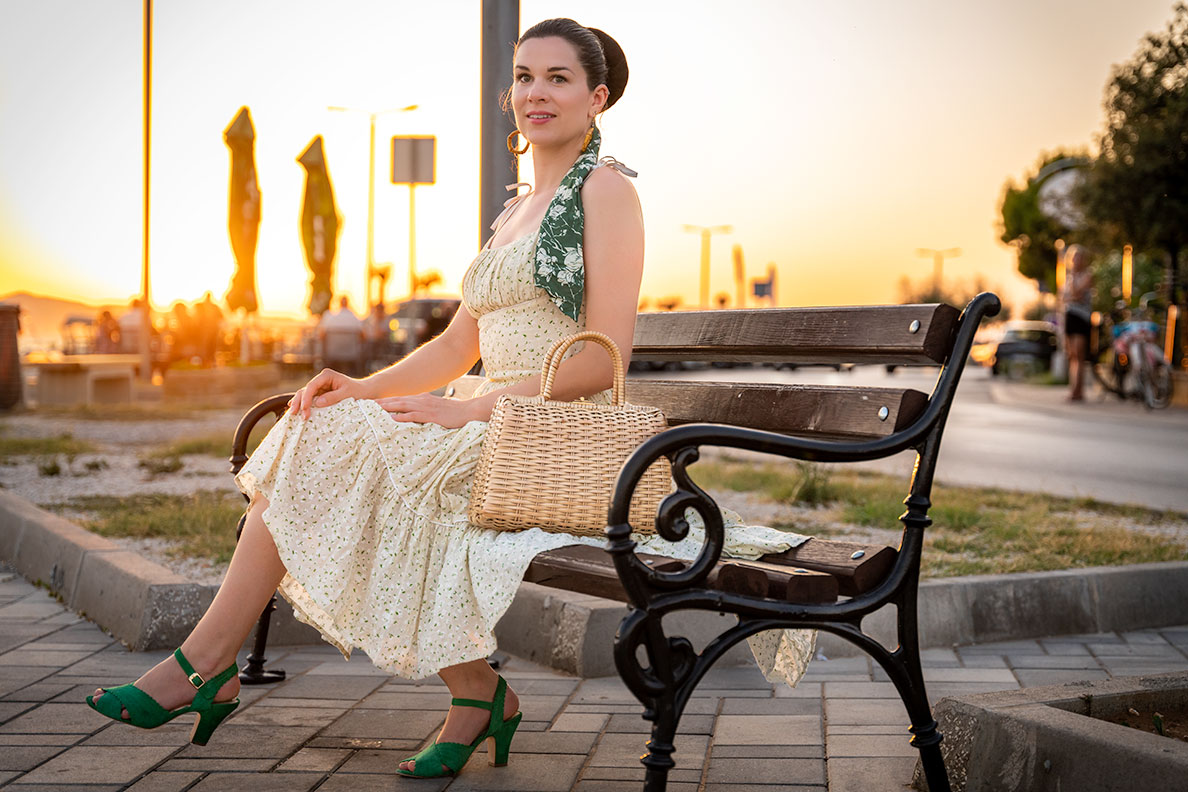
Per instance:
x=938, y=262
x=706, y=232
x=146, y=322
x=371, y=116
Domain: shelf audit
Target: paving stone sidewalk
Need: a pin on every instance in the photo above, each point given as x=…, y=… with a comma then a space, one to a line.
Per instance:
x=335, y=725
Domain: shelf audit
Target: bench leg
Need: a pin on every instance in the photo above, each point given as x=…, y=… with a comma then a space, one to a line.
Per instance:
x=254, y=672
x=660, y=749
x=909, y=682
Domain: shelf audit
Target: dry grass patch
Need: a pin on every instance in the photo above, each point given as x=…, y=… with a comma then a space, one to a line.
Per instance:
x=975, y=530
x=63, y=444
x=201, y=525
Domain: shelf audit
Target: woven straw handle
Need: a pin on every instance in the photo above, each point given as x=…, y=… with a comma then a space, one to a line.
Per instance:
x=553, y=361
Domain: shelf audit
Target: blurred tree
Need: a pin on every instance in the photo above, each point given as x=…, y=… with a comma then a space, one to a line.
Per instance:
x=1029, y=229
x=955, y=293
x=1107, y=277
x=1137, y=190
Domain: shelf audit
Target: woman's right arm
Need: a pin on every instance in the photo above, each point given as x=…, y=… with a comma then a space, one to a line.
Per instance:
x=431, y=365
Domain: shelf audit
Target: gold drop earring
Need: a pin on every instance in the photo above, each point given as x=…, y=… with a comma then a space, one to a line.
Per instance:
x=589, y=135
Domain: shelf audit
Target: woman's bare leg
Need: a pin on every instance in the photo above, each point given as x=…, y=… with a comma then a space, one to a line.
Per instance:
x=255, y=572
x=473, y=680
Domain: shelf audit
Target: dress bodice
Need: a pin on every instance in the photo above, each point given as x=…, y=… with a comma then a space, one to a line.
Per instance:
x=517, y=321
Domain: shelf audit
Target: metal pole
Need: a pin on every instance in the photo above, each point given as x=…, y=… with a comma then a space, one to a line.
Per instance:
x=412, y=240
x=146, y=354
x=370, y=209
x=705, y=251
x=497, y=166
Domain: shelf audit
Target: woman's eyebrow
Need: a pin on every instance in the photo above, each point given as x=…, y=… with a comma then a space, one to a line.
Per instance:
x=550, y=69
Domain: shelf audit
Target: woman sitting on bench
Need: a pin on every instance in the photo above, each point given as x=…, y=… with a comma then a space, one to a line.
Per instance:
x=360, y=492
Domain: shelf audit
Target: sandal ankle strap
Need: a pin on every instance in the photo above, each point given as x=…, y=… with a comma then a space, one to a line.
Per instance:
x=493, y=706
x=195, y=679
x=193, y=676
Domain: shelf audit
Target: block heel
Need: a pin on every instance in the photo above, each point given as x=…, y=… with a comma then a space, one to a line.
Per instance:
x=499, y=744
x=209, y=720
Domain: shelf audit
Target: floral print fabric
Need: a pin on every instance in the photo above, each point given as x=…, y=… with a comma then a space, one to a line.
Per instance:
x=560, y=269
x=370, y=515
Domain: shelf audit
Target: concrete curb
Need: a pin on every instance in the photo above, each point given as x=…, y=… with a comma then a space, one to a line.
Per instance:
x=149, y=607
x=1056, y=737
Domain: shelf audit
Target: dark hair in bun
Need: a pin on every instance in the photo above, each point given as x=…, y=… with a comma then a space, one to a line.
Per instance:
x=599, y=54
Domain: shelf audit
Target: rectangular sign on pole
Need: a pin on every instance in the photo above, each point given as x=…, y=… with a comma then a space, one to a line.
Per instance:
x=414, y=159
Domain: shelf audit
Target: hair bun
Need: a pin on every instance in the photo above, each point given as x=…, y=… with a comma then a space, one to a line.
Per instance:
x=616, y=66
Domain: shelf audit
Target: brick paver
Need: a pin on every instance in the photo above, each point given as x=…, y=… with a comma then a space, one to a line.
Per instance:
x=338, y=725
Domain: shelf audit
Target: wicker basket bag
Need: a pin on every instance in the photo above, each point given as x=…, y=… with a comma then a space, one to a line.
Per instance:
x=552, y=464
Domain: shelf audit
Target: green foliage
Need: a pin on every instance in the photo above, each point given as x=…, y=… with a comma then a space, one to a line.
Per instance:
x=955, y=293
x=1137, y=190
x=1028, y=230
x=1107, y=278
x=49, y=467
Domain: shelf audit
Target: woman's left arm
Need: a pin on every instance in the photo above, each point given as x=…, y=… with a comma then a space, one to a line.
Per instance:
x=613, y=250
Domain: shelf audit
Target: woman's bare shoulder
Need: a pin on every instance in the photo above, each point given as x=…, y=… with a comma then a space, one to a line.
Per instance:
x=607, y=184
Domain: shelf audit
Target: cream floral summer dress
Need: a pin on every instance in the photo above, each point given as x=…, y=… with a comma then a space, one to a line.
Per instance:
x=370, y=515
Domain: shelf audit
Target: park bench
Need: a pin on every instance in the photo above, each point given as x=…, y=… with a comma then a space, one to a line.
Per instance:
x=825, y=585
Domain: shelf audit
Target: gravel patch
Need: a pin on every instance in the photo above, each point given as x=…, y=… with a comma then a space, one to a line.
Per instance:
x=119, y=446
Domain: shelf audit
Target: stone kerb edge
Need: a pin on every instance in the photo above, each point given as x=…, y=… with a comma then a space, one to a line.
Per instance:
x=1054, y=737
x=149, y=607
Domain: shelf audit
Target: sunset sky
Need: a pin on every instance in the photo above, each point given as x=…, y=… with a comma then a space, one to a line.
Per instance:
x=837, y=138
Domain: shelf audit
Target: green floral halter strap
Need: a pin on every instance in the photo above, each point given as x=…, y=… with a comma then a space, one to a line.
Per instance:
x=560, y=268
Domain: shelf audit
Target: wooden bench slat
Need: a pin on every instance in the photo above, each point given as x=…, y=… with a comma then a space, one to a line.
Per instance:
x=842, y=412
x=854, y=575
x=776, y=582
x=855, y=334
x=589, y=570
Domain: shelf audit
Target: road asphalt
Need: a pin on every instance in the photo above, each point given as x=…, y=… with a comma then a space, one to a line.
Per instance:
x=1028, y=437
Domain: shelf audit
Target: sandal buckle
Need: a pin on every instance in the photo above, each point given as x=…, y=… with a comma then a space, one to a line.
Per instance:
x=197, y=676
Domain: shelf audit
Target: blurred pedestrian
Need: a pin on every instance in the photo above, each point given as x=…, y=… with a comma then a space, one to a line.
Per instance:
x=341, y=335
x=107, y=334
x=129, y=326
x=183, y=335
x=1077, y=298
x=375, y=334
x=209, y=319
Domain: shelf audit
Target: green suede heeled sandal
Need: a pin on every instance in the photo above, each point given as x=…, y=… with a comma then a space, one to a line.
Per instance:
x=145, y=713
x=454, y=756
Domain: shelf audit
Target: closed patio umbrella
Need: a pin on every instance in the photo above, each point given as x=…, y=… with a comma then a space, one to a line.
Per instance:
x=319, y=225
x=243, y=211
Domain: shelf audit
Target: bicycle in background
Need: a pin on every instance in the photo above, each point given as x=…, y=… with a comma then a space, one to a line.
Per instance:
x=1129, y=362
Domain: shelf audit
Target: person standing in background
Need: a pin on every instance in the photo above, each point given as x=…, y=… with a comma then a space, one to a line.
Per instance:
x=1077, y=298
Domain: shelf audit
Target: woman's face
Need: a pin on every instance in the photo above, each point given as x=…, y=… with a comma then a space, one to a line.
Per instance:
x=550, y=99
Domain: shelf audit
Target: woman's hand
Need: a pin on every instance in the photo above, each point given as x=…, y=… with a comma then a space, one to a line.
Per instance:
x=427, y=408
x=328, y=387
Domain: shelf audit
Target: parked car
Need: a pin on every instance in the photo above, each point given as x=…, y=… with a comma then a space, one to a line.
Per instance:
x=416, y=321
x=1025, y=349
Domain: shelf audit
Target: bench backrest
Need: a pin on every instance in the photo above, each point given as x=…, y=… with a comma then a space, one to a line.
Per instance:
x=898, y=334
x=884, y=334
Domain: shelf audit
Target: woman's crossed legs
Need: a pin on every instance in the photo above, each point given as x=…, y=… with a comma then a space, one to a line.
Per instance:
x=252, y=577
